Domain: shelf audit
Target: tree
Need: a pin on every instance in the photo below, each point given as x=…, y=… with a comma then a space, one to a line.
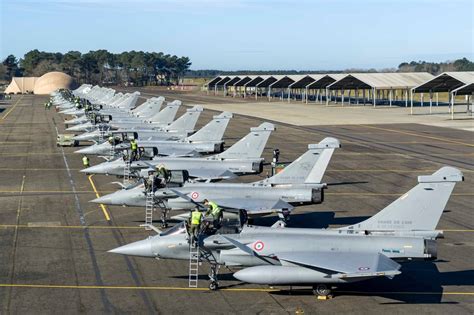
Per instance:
x=11, y=67
x=70, y=63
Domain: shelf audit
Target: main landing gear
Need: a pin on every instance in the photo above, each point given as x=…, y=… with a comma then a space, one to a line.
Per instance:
x=321, y=290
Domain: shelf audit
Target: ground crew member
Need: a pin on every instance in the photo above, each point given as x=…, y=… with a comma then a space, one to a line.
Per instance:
x=162, y=174
x=134, y=149
x=215, y=212
x=196, y=219
x=85, y=161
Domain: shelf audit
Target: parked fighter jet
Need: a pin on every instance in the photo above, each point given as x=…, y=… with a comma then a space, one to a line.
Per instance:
x=401, y=232
x=244, y=157
x=145, y=110
x=200, y=142
x=298, y=183
x=161, y=118
x=164, y=117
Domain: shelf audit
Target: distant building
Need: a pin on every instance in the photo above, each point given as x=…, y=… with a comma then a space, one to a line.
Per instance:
x=45, y=84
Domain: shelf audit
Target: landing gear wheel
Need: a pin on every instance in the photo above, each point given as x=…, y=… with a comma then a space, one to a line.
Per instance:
x=213, y=285
x=164, y=225
x=321, y=290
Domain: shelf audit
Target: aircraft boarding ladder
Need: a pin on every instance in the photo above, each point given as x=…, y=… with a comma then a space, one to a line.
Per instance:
x=196, y=255
x=193, y=266
x=149, y=208
x=126, y=172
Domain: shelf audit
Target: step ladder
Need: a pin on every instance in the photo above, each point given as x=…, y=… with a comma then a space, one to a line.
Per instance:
x=193, y=265
x=126, y=173
x=149, y=208
x=101, y=134
x=112, y=150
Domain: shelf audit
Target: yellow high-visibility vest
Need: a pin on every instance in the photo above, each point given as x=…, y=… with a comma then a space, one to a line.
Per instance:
x=134, y=145
x=215, y=210
x=85, y=161
x=196, y=217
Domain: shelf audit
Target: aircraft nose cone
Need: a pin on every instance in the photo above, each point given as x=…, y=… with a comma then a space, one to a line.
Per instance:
x=86, y=150
x=105, y=200
x=96, y=169
x=141, y=248
x=76, y=128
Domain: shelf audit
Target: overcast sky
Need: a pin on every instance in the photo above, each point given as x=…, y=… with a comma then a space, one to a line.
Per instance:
x=248, y=34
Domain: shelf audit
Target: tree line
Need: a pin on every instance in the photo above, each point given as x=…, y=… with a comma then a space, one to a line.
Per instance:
x=101, y=67
x=414, y=66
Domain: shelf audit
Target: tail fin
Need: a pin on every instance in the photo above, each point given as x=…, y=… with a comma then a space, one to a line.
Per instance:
x=188, y=120
x=167, y=114
x=418, y=209
x=310, y=167
x=149, y=108
x=130, y=101
x=250, y=146
x=213, y=130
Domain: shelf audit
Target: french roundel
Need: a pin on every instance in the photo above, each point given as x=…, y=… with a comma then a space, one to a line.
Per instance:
x=258, y=246
x=195, y=195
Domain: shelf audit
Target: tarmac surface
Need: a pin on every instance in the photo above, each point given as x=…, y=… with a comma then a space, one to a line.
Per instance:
x=53, y=242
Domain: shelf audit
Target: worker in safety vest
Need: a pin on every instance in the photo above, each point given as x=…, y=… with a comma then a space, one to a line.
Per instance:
x=133, y=149
x=163, y=174
x=85, y=161
x=215, y=212
x=196, y=219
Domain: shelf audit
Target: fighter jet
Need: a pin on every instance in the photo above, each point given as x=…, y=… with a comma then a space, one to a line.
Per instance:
x=147, y=109
x=298, y=183
x=157, y=119
x=402, y=232
x=244, y=157
x=165, y=117
x=189, y=146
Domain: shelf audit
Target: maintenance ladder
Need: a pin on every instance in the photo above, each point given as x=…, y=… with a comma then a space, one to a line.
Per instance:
x=149, y=208
x=101, y=134
x=126, y=172
x=193, y=265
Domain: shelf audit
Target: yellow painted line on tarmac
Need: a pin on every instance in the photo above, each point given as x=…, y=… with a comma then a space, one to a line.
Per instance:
x=11, y=109
x=407, y=293
x=104, y=210
x=446, y=140
x=111, y=191
x=50, y=191
x=329, y=170
x=118, y=227
x=38, y=169
x=402, y=154
x=34, y=153
x=169, y=288
x=382, y=194
x=389, y=170
x=98, y=227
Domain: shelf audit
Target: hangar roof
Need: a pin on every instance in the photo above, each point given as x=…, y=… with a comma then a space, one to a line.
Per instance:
x=446, y=81
x=257, y=80
x=213, y=82
x=224, y=80
x=305, y=80
x=325, y=80
x=287, y=80
x=234, y=80
x=394, y=80
x=243, y=80
x=269, y=81
x=465, y=89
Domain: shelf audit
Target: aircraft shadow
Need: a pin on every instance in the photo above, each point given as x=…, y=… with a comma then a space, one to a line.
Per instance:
x=420, y=283
x=315, y=220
